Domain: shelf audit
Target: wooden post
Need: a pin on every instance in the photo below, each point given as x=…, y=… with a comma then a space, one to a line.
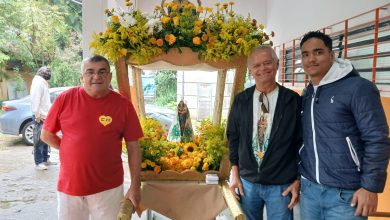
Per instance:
x=137, y=83
x=219, y=97
x=122, y=77
x=239, y=80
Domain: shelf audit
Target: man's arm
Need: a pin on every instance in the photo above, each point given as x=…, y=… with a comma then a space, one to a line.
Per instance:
x=134, y=159
x=371, y=121
x=36, y=95
x=51, y=139
x=235, y=183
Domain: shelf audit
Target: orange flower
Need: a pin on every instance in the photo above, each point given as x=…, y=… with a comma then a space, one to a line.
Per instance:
x=205, y=167
x=212, y=41
x=153, y=41
x=115, y=19
x=159, y=42
x=196, y=40
x=199, y=23
x=157, y=169
x=123, y=51
x=205, y=37
x=166, y=37
x=170, y=38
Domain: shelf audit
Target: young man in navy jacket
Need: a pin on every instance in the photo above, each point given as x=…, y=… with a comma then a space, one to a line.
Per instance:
x=346, y=146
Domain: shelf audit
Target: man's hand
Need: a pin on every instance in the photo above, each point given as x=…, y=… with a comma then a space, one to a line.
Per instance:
x=367, y=202
x=294, y=190
x=134, y=195
x=38, y=118
x=235, y=183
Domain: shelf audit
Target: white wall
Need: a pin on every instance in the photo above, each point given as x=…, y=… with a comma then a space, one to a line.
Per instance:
x=292, y=19
x=93, y=21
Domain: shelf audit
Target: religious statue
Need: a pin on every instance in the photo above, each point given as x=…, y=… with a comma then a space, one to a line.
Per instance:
x=181, y=128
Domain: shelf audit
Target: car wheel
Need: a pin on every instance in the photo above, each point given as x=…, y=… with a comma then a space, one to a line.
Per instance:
x=27, y=133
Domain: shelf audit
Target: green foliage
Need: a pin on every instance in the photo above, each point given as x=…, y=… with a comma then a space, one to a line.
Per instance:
x=166, y=87
x=212, y=139
x=66, y=67
x=38, y=33
x=3, y=61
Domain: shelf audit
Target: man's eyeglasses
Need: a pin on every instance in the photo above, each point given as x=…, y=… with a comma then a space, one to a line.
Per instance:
x=102, y=73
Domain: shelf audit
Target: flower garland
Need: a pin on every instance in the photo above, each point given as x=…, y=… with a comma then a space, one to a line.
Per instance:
x=215, y=35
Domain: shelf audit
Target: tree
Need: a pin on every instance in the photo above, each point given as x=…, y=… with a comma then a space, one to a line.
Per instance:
x=45, y=32
x=166, y=88
x=66, y=66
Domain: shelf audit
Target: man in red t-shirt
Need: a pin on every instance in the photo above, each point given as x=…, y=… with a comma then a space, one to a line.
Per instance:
x=93, y=120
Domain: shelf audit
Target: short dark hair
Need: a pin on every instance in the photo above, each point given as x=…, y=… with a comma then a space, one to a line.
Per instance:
x=319, y=35
x=94, y=59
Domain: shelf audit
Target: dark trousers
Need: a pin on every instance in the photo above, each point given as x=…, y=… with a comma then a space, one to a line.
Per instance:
x=41, y=150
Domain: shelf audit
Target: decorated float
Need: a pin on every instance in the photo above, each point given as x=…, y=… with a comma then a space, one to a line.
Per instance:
x=180, y=35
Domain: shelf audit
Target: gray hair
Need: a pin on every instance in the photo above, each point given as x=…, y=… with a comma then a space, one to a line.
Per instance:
x=44, y=72
x=94, y=59
x=261, y=48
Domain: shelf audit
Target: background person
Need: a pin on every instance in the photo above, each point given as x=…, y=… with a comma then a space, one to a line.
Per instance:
x=264, y=136
x=40, y=104
x=94, y=120
x=346, y=145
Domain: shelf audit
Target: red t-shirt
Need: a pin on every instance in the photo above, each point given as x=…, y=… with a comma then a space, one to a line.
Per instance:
x=92, y=131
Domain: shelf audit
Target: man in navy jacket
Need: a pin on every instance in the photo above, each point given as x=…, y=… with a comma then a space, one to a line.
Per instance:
x=264, y=136
x=346, y=146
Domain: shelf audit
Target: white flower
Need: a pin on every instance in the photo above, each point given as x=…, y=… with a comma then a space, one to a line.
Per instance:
x=127, y=20
x=153, y=24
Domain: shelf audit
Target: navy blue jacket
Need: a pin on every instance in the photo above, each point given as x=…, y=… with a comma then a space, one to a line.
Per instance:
x=345, y=133
x=280, y=163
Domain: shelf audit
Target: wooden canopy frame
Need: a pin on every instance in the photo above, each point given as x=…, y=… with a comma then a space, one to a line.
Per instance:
x=183, y=58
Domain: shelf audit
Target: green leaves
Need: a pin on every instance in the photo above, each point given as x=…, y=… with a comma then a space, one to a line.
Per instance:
x=37, y=33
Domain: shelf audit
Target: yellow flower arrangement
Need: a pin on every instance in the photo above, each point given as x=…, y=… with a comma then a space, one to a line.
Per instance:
x=216, y=34
x=203, y=154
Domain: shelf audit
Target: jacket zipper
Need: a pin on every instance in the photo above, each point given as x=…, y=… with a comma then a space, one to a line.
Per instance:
x=300, y=149
x=314, y=138
x=299, y=153
x=353, y=153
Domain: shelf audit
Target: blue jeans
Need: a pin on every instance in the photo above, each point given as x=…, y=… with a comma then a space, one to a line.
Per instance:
x=41, y=151
x=323, y=202
x=258, y=195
